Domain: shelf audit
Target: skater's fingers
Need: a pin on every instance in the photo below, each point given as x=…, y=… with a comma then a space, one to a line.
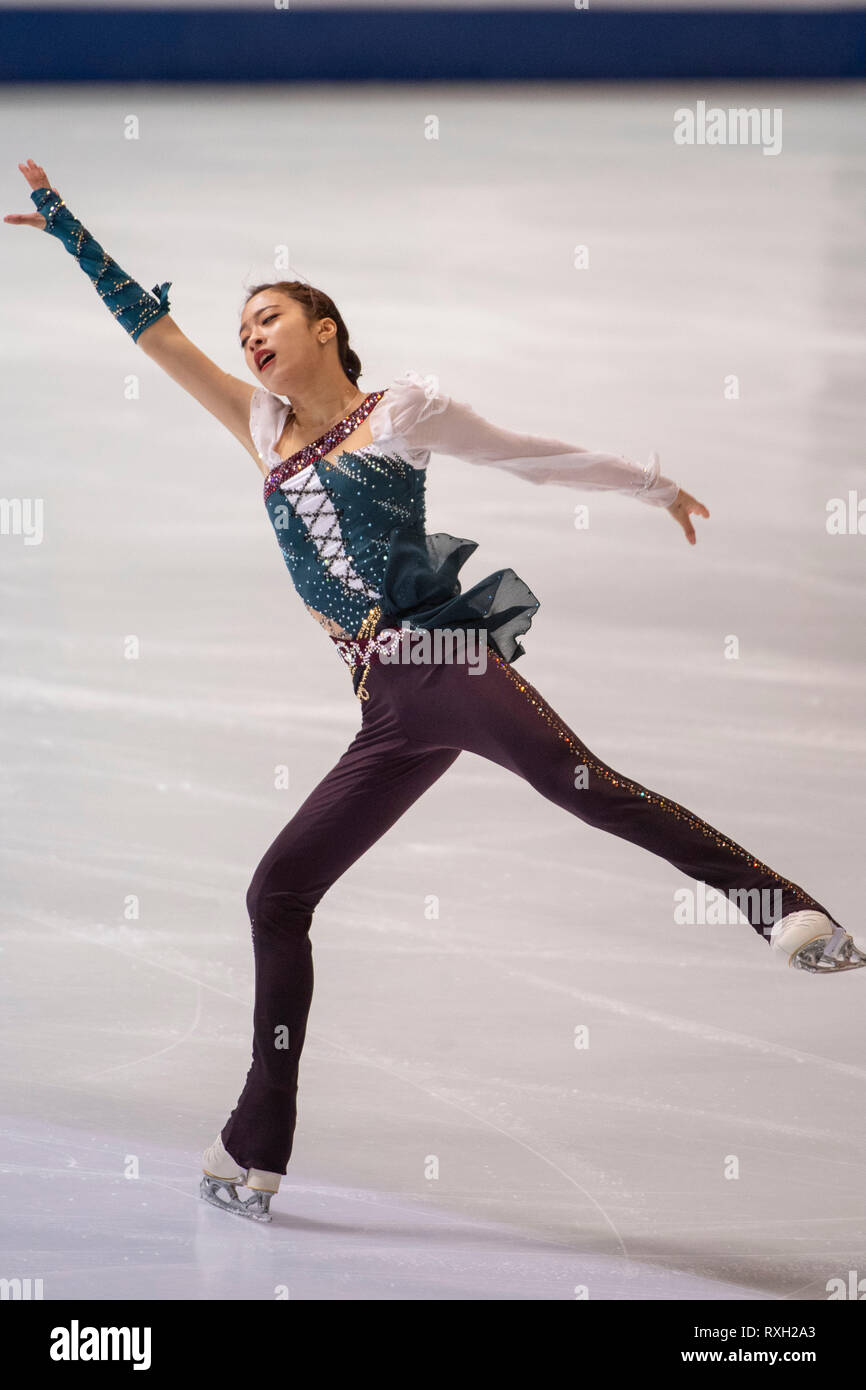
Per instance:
x=34, y=174
x=25, y=219
x=681, y=514
x=682, y=507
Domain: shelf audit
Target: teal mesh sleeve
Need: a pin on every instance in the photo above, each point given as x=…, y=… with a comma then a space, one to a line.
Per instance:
x=133, y=307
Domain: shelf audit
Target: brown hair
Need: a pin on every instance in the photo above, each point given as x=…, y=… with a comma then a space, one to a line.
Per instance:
x=317, y=305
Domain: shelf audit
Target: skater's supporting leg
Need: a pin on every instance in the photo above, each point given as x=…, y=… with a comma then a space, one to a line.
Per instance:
x=378, y=777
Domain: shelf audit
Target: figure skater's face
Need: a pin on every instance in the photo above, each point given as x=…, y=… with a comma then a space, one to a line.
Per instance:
x=274, y=323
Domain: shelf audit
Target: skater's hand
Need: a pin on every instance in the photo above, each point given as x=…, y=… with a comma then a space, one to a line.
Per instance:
x=37, y=178
x=680, y=509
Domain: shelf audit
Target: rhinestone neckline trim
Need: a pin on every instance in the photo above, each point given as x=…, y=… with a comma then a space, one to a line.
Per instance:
x=311, y=453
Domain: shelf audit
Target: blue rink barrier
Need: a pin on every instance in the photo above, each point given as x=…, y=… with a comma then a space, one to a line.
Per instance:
x=393, y=45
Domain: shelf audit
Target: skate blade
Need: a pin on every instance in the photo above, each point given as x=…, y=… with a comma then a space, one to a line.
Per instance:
x=812, y=958
x=254, y=1208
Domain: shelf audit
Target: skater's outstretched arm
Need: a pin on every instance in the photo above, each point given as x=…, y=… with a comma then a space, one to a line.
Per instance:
x=144, y=315
x=415, y=411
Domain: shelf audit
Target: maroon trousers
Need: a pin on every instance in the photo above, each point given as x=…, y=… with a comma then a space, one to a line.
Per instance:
x=415, y=723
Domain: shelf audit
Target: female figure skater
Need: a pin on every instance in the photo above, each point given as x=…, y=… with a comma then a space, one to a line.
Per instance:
x=344, y=476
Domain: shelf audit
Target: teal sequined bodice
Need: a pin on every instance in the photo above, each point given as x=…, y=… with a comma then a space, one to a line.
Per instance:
x=335, y=520
x=351, y=529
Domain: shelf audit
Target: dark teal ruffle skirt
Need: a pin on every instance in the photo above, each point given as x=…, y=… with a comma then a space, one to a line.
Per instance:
x=422, y=586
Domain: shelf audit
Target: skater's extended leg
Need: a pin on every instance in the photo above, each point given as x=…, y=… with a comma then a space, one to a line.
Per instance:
x=378, y=778
x=500, y=715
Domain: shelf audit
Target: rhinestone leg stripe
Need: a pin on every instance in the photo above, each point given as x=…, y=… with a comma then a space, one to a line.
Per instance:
x=672, y=807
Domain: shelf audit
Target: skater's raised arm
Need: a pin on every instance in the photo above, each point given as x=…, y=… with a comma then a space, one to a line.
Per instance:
x=144, y=315
x=225, y=396
x=415, y=411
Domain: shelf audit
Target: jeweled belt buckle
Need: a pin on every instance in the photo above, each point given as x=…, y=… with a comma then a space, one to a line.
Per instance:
x=388, y=640
x=359, y=653
x=349, y=651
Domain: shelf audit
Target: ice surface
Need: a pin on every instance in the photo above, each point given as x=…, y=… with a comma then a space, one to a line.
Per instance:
x=450, y=1037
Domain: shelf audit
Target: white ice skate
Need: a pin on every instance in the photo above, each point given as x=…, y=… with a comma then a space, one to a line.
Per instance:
x=809, y=941
x=223, y=1175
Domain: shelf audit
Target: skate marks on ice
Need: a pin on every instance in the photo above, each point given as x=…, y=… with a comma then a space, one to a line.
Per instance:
x=93, y=937
x=596, y=1225
x=76, y=1222
x=188, y=710
x=705, y=1032
x=597, y=1210
x=671, y=1213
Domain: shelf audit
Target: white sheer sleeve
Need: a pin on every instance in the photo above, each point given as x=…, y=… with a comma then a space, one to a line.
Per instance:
x=267, y=418
x=400, y=416
x=415, y=413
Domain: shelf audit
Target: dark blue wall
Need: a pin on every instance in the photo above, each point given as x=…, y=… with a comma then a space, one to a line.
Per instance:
x=412, y=45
